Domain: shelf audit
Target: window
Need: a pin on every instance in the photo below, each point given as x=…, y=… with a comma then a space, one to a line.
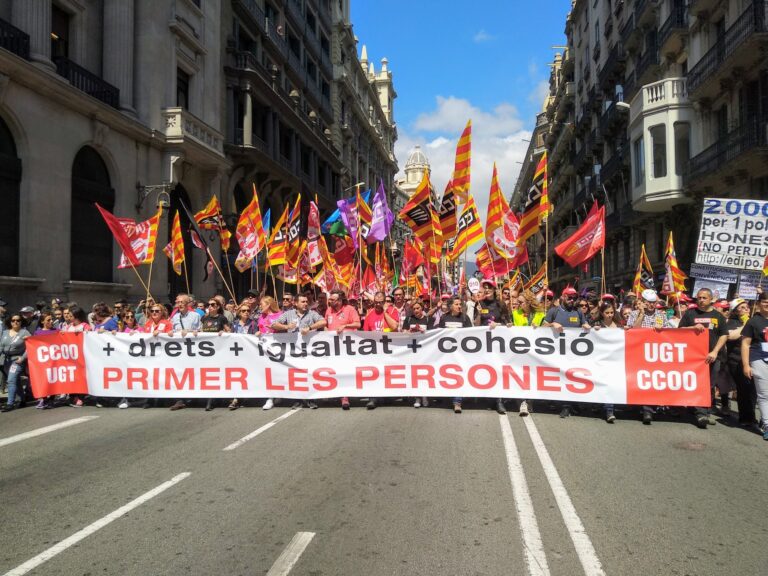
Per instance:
x=182, y=88
x=638, y=157
x=682, y=147
x=10, y=178
x=59, y=33
x=90, y=239
x=659, y=150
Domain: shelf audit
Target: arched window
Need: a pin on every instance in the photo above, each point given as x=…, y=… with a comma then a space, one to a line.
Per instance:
x=178, y=284
x=91, y=240
x=10, y=177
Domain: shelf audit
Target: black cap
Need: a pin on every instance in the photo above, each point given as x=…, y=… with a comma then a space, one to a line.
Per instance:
x=253, y=293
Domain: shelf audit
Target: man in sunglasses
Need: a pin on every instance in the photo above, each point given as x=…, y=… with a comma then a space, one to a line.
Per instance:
x=566, y=315
x=287, y=302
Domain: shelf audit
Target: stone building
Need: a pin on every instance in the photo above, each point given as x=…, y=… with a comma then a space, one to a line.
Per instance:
x=415, y=167
x=139, y=103
x=654, y=105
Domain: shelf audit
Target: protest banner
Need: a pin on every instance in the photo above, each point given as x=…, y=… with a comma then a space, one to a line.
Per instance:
x=733, y=233
x=639, y=366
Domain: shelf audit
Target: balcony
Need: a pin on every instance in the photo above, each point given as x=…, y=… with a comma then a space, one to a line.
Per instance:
x=597, y=140
x=740, y=151
x=648, y=64
x=584, y=122
x=201, y=143
x=293, y=9
x=275, y=39
x=252, y=13
x=674, y=31
x=88, y=82
x=661, y=95
x=613, y=67
x=614, y=118
x=14, y=40
x=246, y=61
x=697, y=7
x=630, y=33
x=568, y=63
x=583, y=157
x=738, y=48
x=645, y=12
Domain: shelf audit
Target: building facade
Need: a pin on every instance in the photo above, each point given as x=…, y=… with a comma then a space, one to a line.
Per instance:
x=653, y=105
x=136, y=104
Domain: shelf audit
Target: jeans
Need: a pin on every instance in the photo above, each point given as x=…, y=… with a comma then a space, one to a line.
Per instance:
x=760, y=377
x=14, y=372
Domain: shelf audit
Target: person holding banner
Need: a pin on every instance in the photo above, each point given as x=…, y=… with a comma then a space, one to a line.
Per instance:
x=417, y=322
x=78, y=322
x=184, y=318
x=754, y=357
x=529, y=312
x=341, y=317
x=381, y=318
x=455, y=318
x=705, y=317
x=270, y=312
x=566, y=315
x=746, y=395
x=493, y=313
x=607, y=319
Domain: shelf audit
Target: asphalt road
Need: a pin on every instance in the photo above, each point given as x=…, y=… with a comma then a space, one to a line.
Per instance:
x=395, y=491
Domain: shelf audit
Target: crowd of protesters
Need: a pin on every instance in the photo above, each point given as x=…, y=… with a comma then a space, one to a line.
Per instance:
x=738, y=334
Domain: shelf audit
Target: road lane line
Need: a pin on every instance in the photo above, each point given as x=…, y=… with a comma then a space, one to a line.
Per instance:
x=45, y=430
x=581, y=542
x=291, y=554
x=535, y=557
x=90, y=529
x=255, y=433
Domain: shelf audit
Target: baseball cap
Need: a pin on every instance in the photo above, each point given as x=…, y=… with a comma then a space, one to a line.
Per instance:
x=445, y=297
x=488, y=282
x=569, y=291
x=649, y=295
x=549, y=294
x=253, y=293
x=736, y=302
x=27, y=310
x=721, y=304
x=607, y=297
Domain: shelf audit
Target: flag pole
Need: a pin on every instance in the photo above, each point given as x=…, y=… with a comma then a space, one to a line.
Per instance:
x=138, y=275
x=186, y=276
x=149, y=277
x=224, y=280
x=602, y=271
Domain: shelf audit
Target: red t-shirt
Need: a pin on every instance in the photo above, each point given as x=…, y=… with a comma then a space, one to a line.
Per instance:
x=335, y=320
x=375, y=322
x=163, y=326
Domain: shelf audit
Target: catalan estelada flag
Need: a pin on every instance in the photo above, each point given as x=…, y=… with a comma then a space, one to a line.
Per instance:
x=538, y=281
x=531, y=218
x=175, y=248
x=470, y=230
x=276, y=245
x=460, y=179
x=210, y=218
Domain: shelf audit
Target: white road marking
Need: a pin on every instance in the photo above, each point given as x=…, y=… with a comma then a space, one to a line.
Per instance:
x=255, y=433
x=535, y=557
x=581, y=542
x=98, y=525
x=291, y=554
x=45, y=430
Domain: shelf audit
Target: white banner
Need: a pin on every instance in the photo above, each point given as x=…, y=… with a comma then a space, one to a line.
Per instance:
x=639, y=366
x=733, y=234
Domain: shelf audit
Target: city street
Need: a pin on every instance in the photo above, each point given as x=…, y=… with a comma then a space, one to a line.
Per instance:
x=392, y=491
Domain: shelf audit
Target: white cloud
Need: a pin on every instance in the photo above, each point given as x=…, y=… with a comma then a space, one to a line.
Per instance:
x=482, y=36
x=539, y=92
x=497, y=135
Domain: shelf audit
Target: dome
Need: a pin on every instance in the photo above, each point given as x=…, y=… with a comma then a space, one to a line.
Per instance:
x=417, y=158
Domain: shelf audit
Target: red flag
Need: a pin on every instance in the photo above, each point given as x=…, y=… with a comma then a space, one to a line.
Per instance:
x=120, y=236
x=412, y=258
x=585, y=242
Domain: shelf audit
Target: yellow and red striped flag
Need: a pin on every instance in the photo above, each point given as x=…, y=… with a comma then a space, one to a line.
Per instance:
x=420, y=216
x=674, y=280
x=293, y=251
x=541, y=175
x=276, y=245
x=644, y=274
x=470, y=229
x=532, y=213
x=765, y=266
x=210, y=218
x=460, y=178
x=448, y=217
x=175, y=248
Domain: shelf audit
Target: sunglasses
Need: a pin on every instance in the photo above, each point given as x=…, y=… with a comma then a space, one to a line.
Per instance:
x=246, y=310
x=15, y=319
x=130, y=316
x=155, y=311
x=214, y=304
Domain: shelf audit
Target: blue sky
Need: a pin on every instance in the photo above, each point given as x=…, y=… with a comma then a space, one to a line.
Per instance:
x=453, y=61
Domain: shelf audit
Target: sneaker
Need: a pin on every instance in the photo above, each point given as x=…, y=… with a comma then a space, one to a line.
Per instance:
x=417, y=403
x=565, y=412
x=424, y=401
x=345, y=403
x=457, y=408
x=701, y=422
x=371, y=404
x=524, y=408
x=500, y=406
x=234, y=405
x=123, y=404
x=78, y=403
x=178, y=406
x=647, y=418
x=40, y=404
x=209, y=405
x=269, y=404
x=765, y=434
x=295, y=405
x=311, y=404
x=99, y=404
x=610, y=417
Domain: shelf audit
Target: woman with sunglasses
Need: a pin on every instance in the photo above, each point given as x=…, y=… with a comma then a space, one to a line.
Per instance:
x=13, y=350
x=130, y=324
x=214, y=322
x=270, y=312
x=77, y=321
x=244, y=324
x=158, y=323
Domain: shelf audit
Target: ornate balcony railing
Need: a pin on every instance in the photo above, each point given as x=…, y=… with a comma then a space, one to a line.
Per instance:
x=750, y=135
x=88, y=82
x=676, y=22
x=181, y=125
x=14, y=40
x=253, y=10
x=613, y=67
x=752, y=21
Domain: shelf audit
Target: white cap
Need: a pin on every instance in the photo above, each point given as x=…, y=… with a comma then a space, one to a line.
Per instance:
x=649, y=295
